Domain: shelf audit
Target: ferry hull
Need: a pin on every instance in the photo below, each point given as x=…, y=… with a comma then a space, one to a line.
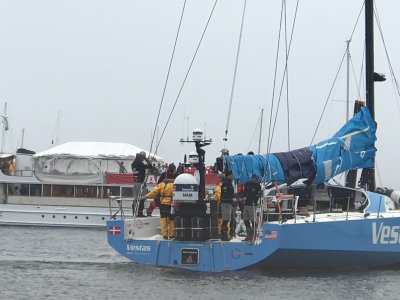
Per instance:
x=59, y=216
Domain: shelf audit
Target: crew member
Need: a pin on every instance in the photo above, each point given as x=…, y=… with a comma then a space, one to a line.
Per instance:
x=215, y=207
x=139, y=166
x=252, y=192
x=156, y=202
x=165, y=190
x=11, y=167
x=227, y=194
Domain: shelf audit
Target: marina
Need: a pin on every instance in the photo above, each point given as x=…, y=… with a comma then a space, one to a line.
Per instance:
x=189, y=150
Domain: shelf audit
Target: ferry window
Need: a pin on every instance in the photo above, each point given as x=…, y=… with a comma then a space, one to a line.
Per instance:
x=46, y=190
x=35, y=189
x=63, y=191
x=14, y=189
x=86, y=192
x=127, y=192
x=111, y=191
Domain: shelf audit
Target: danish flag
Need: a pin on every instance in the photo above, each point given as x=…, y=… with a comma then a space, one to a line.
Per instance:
x=114, y=230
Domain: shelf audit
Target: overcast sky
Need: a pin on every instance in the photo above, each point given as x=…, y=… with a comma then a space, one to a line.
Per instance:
x=103, y=64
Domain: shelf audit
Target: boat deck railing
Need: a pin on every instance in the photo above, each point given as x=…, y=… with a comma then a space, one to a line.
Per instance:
x=121, y=204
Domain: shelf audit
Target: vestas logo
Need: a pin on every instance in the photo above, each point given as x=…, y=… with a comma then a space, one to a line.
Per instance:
x=139, y=248
x=385, y=234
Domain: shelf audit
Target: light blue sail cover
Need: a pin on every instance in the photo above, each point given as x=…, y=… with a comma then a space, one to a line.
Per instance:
x=352, y=147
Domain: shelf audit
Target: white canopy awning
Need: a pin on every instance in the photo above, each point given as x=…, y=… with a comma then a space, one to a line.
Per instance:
x=94, y=150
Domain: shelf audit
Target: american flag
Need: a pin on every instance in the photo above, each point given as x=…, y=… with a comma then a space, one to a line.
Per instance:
x=271, y=234
x=114, y=230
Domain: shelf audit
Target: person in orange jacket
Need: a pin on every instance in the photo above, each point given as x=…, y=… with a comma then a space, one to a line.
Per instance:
x=165, y=190
x=156, y=202
x=217, y=198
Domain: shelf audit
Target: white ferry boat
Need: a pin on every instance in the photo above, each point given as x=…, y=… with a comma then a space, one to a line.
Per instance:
x=73, y=185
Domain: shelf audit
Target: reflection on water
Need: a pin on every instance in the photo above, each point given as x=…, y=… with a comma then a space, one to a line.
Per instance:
x=38, y=263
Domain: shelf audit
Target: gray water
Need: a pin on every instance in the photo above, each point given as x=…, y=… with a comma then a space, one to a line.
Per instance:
x=60, y=263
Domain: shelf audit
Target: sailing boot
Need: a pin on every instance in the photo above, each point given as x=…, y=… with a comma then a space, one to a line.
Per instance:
x=141, y=208
x=224, y=231
x=232, y=229
x=219, y=227
x=171, y=229
x=164, y=228
x=249, y=231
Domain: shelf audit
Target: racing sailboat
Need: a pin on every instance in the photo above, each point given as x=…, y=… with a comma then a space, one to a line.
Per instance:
x=312, y=224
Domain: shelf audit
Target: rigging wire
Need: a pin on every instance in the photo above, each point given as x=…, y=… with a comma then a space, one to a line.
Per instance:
x=336, y=77
x=235, y=73
x=284, y=75
x=187, y=73
x=361, y=82
x=378, y=172
x=394, y=79
x=287, y=80
x=167, y=78
x=355, y=78
x=254, y=132
x=274, y=82
x=329, y=96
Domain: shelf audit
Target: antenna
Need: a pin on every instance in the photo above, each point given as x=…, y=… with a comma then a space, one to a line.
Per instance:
x=22, y=137
x=56, y=132
x=5, y=128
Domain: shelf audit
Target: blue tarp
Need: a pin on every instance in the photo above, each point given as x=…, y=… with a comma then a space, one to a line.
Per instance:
x=352, y=147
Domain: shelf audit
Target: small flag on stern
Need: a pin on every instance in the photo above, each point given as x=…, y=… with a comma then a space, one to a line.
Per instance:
x=271, y=234
x=114, y=230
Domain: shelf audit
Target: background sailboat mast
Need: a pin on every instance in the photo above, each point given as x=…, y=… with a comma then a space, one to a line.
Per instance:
x=369, y=69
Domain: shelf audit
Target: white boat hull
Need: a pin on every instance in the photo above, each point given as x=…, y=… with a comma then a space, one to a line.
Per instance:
x=66, y=216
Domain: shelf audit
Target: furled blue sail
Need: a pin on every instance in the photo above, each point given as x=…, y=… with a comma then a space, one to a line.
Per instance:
x=352, y=147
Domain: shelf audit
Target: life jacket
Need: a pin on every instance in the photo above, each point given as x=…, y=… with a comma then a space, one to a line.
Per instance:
x=164, y=189
x=217, y=192
x=227, y=191
x=166, y=192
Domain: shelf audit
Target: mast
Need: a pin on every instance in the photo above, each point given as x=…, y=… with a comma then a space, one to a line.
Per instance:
x=348, y=81
x=369, y=174
x=4, y=129
x=261, y=125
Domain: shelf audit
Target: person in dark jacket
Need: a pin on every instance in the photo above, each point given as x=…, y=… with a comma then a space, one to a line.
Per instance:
x=252, y=192
x=227, y=195
x=139, y=166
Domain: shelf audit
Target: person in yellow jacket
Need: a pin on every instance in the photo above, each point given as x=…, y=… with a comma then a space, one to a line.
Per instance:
x=11, y=167
x=165, y=189
x=217, y=197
